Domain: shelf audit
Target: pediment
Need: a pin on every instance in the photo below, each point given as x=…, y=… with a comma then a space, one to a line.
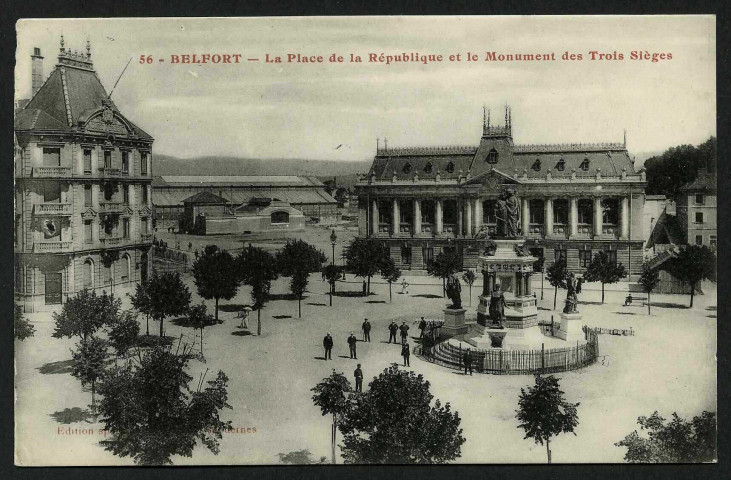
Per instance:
x=127, y=211
x=492, y=178
x=89, y=214
x=145, y=211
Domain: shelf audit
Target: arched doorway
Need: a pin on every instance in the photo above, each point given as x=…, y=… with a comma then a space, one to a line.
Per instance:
x=125, y=273
x=88, y=273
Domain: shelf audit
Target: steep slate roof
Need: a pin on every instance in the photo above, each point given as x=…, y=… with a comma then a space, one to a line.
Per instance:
x=666, y=231
x=205, y=197
x=238, y=180
x=705, y=181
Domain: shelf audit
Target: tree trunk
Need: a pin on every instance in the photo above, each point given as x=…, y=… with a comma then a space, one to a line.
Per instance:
x=216, y=308
x=390, y=297
x=368, y=290
x=331, y=295
x=555, y=295
x=602, y=293
x=93, y=399
x=147, y=321
x=258, y=321
x=648, y=303
x=548, y=449
x=444, y=288
x=161, y=322
x=202, y=343
x=470, y=294
x=299, y=307
x=692, y=292
x=334, y=433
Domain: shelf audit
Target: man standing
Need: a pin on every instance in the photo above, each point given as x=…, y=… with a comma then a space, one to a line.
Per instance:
x=406, y=353
x=327, y=342
x=351, y=343
x=404, y=332
x=366, y=330
x=467, y=360
x=422, y=326
x=358, y=379
x=392, y=328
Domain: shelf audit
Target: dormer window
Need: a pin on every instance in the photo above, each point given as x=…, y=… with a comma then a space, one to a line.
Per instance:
x=450, y=167
x=560, y=165
x=537, y=165
x=585, y=165
x=428, y=168
x=492, y=157
x=407, y=168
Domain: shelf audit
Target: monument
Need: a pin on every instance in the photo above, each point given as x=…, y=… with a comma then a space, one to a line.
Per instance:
x=570, y=327
x=454, y=321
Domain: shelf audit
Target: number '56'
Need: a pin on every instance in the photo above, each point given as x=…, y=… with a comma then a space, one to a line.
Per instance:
x=145, y=59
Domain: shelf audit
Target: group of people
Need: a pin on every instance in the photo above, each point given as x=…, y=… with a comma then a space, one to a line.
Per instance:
x=352, y=341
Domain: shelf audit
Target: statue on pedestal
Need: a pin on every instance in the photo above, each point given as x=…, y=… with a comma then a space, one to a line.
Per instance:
x=507, y=213
x=497, y=307
x=454, y=289
x=572, y=300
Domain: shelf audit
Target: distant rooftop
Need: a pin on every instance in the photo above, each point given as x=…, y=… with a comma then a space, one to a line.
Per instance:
x=277, y=180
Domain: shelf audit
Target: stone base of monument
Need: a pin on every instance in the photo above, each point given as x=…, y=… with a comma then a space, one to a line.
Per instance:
x=520, y=312
x=571, y=327
x=454, y=322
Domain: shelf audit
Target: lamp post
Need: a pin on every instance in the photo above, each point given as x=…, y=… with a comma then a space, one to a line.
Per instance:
x=333, y=241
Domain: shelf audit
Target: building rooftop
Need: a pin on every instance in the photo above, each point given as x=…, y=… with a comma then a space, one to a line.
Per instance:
x=705, y=181
x=237, y=180
x=206, y=197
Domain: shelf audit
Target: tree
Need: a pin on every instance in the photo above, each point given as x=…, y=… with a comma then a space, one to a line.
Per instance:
x=678, y=166
x=390, y=273
x=168, y=296
x=649, y=279
x=364, y=257
x=557, y=274
x=299, y=457
x=200, y=319
x=23, y=328
x=444, y=265
x=151, y=414
x=543, y=413
x=469, y=278
x=141, y=301
x=602, y=269
x=124, y=332
x=332, y=273
x=215, y=275
x=678, y=441
x=330, y=397
x=88, y=361
x=297, y=260
x=693, y=264
x=85, y=313
x=257, y=268
x=394, y=422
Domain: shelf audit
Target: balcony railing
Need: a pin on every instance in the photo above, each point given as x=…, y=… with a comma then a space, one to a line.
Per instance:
x=63, y=209
x=404, y=229
x=560, y=229
x=535, y=230
x=51, y=172
x=584, y=230
x=449, y=228
x=110, y=241
x=109, y=172
x=427, y=228
x=609, y=229
x=111, y=207
x=52, y=247
x=384, y=228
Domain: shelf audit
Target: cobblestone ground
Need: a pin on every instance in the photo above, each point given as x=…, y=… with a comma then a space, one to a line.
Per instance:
x=669, y=365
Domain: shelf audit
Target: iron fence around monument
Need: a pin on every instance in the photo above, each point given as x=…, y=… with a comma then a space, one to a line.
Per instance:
x=515, y=362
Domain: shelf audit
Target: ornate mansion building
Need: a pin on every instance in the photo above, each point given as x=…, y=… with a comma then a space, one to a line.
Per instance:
x=576, y=199
x=83, y=214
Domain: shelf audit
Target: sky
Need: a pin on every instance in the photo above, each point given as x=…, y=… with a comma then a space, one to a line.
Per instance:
x=336, y=111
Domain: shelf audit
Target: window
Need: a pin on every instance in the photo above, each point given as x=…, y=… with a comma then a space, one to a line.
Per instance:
x=536, y=211
x=280, y=217
x=106, y=274
x=537, y=165
x=585, y=211
x=488, y=211
x=19, y=283
x=559, y=255
x=492, y=157
x=87, y=196
x=428, y=167
x=51, y=192
x=87, y=162
x=88, y=273
x=561, y=211
x=407, y=168
x=584, y=258
x=406, y=255
x=698, y=217
x=560, y=165
x=612, y=256
x=88, y=232
x=585, y=165
x=699, y=239
x=125, y=227
x=54, y=283
x=125, y=194
x=108, y=191
x=124, y=274
x=700, y=199
x=144, y=194
x=450, y=167
x=610, y=211
x=125, y=162
x=144, y=225
x=107, y=159
x=143, y=163
x=428, y=254
x=427, y=212
x=712, y=242
x=51, y=157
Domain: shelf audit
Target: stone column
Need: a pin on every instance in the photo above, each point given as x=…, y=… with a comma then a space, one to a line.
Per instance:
x=624, y=217
x=374, y=218
x=574, y=215
x=438, y=213
x=417, y=217
x=395, y=219
x=459, y=231
x=526, y=215
x=468, y=217
x=548, y=214
x=597, y=216
x=478, y=214
x=518, y=284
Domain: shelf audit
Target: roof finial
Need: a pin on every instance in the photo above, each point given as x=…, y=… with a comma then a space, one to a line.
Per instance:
x=488, y=118
x=624, y=142
x=385, y=141
x=484, y=117
x=510, y=117
x=378, y=144
x=88, y=48
x=62, y=44
x=506, y=114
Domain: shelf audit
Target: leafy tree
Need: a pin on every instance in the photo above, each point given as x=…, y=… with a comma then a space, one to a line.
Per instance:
x=330, y=397
x=649, y=279
x=543, y=413
x=678, y=166
x=444, y=265
x=557, y=274
x=88, y=361
x=297, y=260
x=390, y=273
x=257, y=268
x=124, y=332
x=151, y=413
x=469, y=278
x=601, y=269
x=364, y=257
x=693, y=264
x=141, y=301
x=215, y=274
x=299, y=457
x=332, y=273
x=394, y=422
x=200, y=319
x=23, y=328
x=168, y=296
x=678, y=441
x=85, y=313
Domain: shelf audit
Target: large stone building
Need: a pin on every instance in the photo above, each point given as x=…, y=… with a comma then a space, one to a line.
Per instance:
x=83, y=216
x=577, y=199
x=696, y=209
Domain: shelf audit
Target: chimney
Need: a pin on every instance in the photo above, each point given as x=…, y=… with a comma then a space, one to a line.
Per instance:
x=37, y=70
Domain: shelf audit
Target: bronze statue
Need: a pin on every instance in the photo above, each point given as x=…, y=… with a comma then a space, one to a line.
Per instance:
x=507, y=213
x=501, y=216
x=497, y=307
x=454, y=289
x=571, y=299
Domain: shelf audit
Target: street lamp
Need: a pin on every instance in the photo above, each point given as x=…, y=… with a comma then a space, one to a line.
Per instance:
x=333, y=241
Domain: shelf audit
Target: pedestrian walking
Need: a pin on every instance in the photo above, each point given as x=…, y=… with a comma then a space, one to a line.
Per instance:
x=406, y=353
x=392, y=328
x=328, y=343
x=196, y=254
x=358, y=374
x=404, y=286
x=366, y=330
x=467, y=360
x=404, y=332
x=578, y=284
x=364, y=288
x=352, y=341
x=190, y=246
x=422, y=327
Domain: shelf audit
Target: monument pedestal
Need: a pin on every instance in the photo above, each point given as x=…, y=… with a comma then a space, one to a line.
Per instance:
x=570, y=328
x=454, y=323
